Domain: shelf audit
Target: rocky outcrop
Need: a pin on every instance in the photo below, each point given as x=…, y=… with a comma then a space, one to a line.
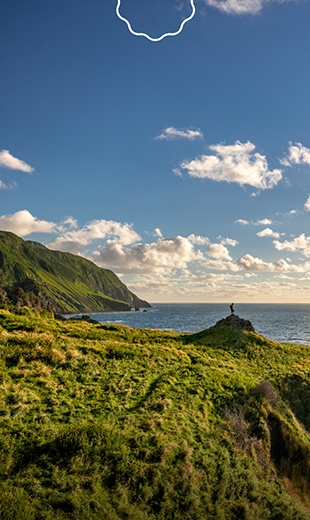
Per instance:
x=85, y=317
x=234, y=322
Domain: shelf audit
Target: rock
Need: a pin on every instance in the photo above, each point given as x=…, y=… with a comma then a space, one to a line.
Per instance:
x=59, y=317
x=234, y=322
x=89, y=319
x=85, y=317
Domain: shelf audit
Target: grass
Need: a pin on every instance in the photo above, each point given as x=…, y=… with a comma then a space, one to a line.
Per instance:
x=105, y=421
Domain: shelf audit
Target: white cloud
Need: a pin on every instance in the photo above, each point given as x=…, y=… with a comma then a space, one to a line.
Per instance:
x=218, y=251
x=242, y=222
x=75, y=240
x=307, y=204
x=267, y=232
x=8, y=161
x=171, y=133
x=250, y=263
x=216, y=277
x=162, y=256
x=297, y=154
x=120, y=250
x=158, y=233
x=228, y=241
x=22, y=223
x=221, y=265
x=290, y=213
x=234, y=163
x=239, y=6
x=261, y=222
x=264, y=222
x=300, y=243
x=70, y=222
x=199, y=240
x=174, y=269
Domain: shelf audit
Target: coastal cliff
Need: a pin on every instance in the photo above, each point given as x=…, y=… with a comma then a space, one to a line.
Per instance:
x=35, y=276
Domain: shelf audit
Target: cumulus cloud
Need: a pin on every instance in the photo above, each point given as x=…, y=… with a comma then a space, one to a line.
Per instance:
x=242, y=222
x=307, y=204
x=69, y=222
x=228, y=241
x=158, y=233
x=239, y=7
x=70, y=237
x=171, y=269
x=9, y=161
x=218, y=251
x=251, y=263
x=234, y=163
x=75, y=240
x=22, y=223
x=122, y=250
x=297, y=154
x=300, y=243
x=216, y=277
x=162, y=256
x=264, y=222
x=171, y=133
x=221, y=265
x=267, y=232
x=199, y=240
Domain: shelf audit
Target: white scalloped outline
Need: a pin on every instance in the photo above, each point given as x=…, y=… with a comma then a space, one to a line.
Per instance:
x=164, y=35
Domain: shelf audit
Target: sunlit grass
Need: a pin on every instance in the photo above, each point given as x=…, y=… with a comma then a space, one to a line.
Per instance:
x=102, y=421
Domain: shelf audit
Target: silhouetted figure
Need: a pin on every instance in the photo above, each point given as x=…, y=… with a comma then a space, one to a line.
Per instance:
x=232, y=308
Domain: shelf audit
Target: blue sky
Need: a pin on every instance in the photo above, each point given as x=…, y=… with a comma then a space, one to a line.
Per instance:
x=183, y=165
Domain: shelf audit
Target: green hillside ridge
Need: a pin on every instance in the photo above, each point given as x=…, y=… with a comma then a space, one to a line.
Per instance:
x=109, y=422
x=58, y=281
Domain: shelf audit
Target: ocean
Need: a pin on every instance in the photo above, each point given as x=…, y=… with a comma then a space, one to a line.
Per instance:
x=280, y=322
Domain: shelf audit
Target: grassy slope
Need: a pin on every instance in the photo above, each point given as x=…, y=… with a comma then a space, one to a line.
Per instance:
x=74, y=283
x=119, y=423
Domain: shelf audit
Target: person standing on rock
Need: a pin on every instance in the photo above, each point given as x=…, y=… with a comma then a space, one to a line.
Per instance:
x=232, y=309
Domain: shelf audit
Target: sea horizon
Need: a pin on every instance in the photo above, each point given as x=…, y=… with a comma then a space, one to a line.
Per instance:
x=285, y=322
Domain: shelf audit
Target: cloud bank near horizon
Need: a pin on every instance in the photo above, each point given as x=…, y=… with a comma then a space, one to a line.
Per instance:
x=179, y=266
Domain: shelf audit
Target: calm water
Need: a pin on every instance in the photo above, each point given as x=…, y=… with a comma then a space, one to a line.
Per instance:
x=285, y=322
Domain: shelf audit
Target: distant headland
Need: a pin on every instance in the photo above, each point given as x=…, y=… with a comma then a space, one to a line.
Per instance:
x=38, y=277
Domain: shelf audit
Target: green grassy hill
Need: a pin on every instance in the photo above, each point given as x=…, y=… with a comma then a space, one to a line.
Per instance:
x=61, y=282
x=109, y=422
